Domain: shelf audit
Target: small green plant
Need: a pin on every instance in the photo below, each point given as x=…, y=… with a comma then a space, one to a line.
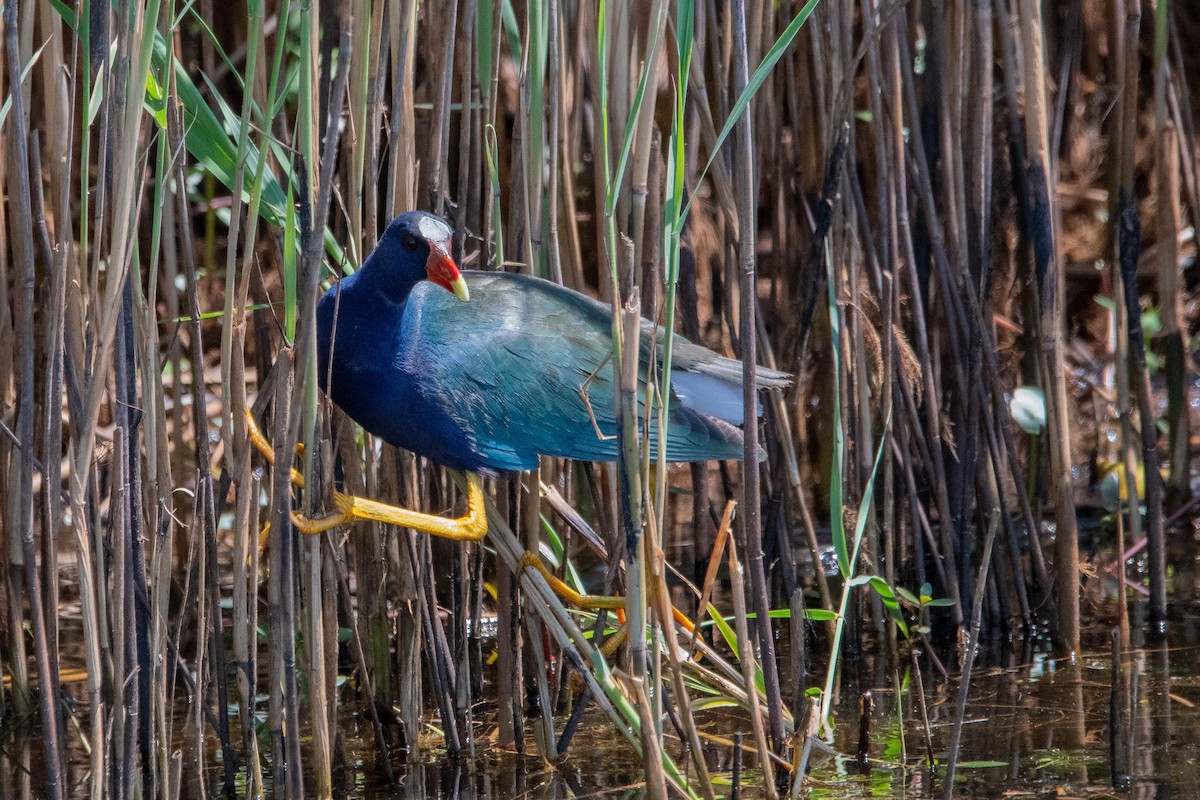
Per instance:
x=922, y=602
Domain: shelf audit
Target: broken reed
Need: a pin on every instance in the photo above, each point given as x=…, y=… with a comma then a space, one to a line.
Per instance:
x=598, y=147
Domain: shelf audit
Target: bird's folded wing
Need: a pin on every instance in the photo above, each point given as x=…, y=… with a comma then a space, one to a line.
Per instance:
x=528, y=369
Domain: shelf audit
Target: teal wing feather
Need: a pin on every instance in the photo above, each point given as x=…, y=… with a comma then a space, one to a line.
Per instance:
x=525, y=367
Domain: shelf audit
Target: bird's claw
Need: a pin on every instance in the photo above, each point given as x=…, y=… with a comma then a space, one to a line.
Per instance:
x=311, y=527
x=530, y=559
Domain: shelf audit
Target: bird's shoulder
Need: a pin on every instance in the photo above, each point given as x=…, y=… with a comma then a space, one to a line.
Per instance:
x=526, y=316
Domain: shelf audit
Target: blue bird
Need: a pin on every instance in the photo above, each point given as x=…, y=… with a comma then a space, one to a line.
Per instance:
x=523, y=369
x=485, y=371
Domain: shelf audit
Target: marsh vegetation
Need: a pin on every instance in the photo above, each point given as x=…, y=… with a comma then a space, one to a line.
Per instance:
x=967, y=229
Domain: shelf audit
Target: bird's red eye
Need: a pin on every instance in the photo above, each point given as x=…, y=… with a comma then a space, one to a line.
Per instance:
x=409, y=242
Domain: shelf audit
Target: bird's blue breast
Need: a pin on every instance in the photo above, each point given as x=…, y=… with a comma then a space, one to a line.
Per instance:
x=376, y=377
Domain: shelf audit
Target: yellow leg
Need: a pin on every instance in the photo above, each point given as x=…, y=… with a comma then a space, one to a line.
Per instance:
x=683, y=620
x=469, y=528
x=263, y=446
x=531, y=560
x=609, y=649
x=613, y=643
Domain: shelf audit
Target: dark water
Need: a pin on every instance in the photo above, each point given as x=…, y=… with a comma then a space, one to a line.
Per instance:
x=1035, y=727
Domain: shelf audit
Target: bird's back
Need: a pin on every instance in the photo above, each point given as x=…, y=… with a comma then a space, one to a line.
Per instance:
x=525, y=368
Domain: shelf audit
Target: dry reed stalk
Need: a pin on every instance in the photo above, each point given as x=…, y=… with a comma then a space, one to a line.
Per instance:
x=283, y=710
x=1049, y=293
x=933, y=422
x=1175, y=343
x=467, y=189
x=969, y=653
x=17, y=168
x=751, y=499
x=13, y=574
x=661, y=599
x=50, y=214
x=508, y=690
x=749, y=666
x=627, y=330
x=439, y=143
x=536, y=653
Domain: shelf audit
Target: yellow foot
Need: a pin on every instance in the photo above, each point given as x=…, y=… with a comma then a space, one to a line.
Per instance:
x=312, y=527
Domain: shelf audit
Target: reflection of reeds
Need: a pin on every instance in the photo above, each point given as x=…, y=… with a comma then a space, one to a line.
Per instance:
x=181, y=180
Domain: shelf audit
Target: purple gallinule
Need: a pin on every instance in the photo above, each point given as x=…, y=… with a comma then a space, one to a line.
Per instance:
x=522, y=368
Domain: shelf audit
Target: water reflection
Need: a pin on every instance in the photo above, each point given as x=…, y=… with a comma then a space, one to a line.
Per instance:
x=1035, y=726
x=1038, y=727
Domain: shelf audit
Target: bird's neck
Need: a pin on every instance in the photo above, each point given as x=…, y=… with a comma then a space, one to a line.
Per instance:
x=380, y=288
x=356, y=317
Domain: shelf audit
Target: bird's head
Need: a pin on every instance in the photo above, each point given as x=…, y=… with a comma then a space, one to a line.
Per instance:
x=416, y=247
